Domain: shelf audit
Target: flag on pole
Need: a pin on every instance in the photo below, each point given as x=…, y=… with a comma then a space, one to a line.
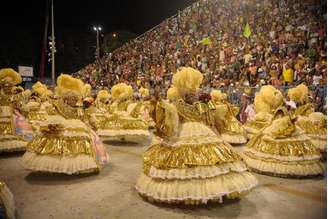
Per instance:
x=247, y=31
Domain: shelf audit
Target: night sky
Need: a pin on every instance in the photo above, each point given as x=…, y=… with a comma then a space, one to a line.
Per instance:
x=22, y=22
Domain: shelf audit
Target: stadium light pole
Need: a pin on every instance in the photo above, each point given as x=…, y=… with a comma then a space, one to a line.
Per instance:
x=97, y=29
x=53, y=48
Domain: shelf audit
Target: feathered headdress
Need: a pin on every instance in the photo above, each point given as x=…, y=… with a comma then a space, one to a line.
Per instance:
x=299, y=94
x=217, y=95
x=39, y=88
x=103, y=94
x=319, y=117
x=248, y=91
x=10, y=76
x=268, y=99
x=172, y=94
x=121, y=91
x=68, y=84
x=144, y=92
x=87, y=90
x=17, y=90
x=187, y=80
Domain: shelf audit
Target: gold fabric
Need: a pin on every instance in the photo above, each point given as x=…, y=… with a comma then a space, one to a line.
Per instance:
x=7, y=128
x=285, y=147
x=37, y=116
x=191, y=113
x=228, y=124
x=140, y=109
x=205, y=113
x=120, y=105
x=61, y=145
x=233, y=126
x=103, y=107
x=67, y=111
x=290, y=163
x=256, y=124
x=164, y=128
x=11, y=138
x=2, y=185
x=281, y=128
x=304, y=110
x=136, y=110
x=118, y=122
x=186, y=156
x=197, y=112
x=7, y=98
x=311, y=128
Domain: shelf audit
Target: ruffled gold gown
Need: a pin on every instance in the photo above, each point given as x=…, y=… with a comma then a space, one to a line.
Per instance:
x=143, y=111
x=231, y=129
x=304, y=110
x=65, y=144
x=314, y=129
x=120, y=126
x=192, y=165
x=96, y=113
x=36, y=111
x=255, y=125
x=7, y=201
x=282, y=149
x=14, y=129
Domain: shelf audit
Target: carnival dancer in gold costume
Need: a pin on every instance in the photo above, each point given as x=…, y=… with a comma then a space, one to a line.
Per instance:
x=265, y=104
x=231, y=129
x=37, y=108
x=281, y=148
x=64, y=143
x=192, y=165
x=314, y=124
x=119, y=125
x=300, y=95
x=142, y=109
x=103, y=101
x=15, y=131
x=7, y=201
x=98, y=109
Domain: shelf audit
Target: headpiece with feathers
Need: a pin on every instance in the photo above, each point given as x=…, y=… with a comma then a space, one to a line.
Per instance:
x=187, y=80
x=268, y=99
x=319, y=117
x=87, y=90
x=172, y=94
x=40, y=89
x=10, y=76
x=121, y=91
x=217, y=95
x=68, y=84
x=144, y=92
x=103, y=94
x=299, y=94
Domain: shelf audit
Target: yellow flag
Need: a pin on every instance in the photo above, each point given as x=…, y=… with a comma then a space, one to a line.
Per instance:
x=247, y=31
x=206, y=41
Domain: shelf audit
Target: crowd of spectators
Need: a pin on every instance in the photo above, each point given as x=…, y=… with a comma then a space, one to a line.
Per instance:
x=286, y=46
